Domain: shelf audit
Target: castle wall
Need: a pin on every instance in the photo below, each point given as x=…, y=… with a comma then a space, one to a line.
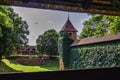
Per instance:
x=97, y=55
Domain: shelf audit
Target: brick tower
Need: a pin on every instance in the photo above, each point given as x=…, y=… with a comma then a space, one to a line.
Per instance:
x=70, y=29
x=64, y=43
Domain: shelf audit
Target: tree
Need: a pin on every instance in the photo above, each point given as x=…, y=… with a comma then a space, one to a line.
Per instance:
x=98, y=25
x=6, y=26
x=20, y=31
x=13, y=31
x=4, y=40
x=41, y=44
x=47, y=42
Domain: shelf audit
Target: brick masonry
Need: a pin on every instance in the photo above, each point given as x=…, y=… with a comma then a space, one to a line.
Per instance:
x=31, y=62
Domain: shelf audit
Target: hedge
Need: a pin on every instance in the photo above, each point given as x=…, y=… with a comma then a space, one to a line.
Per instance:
x=22, y=56
x=99, y=55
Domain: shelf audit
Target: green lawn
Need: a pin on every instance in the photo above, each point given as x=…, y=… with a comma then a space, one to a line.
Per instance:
x=12, y=66
x=5, y=68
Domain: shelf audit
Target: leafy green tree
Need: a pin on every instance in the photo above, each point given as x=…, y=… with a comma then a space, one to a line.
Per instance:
x=47, y=42
x=98, y=25
x=4, y=40
x=40, y=44
x=6, y=27
x=13, y=31
x=20, y=31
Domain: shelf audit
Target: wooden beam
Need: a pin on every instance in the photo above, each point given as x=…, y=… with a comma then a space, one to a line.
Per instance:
x=86, y=74
x=87, y=6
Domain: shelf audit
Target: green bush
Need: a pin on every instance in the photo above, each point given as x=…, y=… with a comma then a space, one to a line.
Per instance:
x=99, y=55
x=22, y=56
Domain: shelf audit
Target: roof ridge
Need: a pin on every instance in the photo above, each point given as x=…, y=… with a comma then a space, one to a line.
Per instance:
x=95, y=39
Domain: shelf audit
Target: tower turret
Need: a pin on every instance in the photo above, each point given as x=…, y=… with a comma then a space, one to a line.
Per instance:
x=70, y=29
x=64, y=43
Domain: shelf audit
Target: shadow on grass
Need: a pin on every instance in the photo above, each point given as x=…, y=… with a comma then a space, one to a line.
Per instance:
x=48, y=64
x=13, y=61
x=51, y=65
x=5, y=68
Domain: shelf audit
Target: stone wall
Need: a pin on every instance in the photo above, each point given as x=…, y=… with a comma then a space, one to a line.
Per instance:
x=31, y=62
x=97, y=55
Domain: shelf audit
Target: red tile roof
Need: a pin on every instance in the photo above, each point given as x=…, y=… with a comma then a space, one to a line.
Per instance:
x=94, y=39
x=68, y=27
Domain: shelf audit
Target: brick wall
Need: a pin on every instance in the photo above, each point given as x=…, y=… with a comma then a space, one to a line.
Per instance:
x=31, y=62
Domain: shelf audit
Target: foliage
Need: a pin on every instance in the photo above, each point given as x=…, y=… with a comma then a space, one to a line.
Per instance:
x=5, y=40
x=27, y=56
x=98, y=25
x=99, y=55
x=64, y=48
x=20, y=31
x=22, y=56
x=5, y=29
x=13, y=31
x=47, y=42
x=4, y=18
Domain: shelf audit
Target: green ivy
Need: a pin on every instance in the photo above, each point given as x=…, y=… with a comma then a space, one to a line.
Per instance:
x=99, y=55
x=64, y=43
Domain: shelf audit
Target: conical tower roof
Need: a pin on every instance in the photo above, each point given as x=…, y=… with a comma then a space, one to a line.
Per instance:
x=68, y=27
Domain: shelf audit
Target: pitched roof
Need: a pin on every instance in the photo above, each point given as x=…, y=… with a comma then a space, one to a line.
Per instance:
x=94, y=39
x=68, y=27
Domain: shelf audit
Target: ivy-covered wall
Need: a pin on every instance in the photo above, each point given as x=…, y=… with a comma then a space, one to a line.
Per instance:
x=64, y=43
x=99, y=55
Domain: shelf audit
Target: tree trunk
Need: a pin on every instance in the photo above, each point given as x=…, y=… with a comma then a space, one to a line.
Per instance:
x=0, y=57
x=1, y=53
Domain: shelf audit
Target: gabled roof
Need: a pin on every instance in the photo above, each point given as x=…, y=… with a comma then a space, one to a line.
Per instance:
x=94, y=39
x=68, y=26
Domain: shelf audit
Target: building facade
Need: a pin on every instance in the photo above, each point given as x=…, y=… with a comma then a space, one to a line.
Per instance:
x=91, y=52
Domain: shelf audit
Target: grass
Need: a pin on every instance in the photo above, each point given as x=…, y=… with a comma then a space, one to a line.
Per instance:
x=51, y=65
x=5, y=68
x=12, y=66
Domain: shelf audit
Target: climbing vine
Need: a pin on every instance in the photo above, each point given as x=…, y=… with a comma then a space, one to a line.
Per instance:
x=98, y=55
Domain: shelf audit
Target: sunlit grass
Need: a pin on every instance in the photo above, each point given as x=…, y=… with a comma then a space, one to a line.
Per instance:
x=49, y=65
x=5, y=68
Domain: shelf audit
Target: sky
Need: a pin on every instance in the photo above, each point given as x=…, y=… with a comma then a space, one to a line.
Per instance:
x=40, y=20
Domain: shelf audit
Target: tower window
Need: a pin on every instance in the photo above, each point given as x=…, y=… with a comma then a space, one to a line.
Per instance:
x=70, y=34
